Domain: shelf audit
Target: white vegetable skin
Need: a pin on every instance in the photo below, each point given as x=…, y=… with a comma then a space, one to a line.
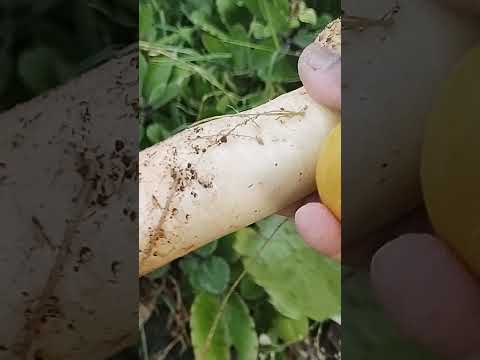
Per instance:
x=59, y=300
x=225, y=174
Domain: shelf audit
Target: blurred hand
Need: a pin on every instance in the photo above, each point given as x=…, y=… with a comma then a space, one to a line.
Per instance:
x=422, y=285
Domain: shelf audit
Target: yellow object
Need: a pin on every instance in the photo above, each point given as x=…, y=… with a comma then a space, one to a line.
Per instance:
x=328, y=174
x=450, y=169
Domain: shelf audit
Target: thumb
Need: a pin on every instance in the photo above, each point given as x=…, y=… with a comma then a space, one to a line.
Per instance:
x=429, y=294
x=320, y=71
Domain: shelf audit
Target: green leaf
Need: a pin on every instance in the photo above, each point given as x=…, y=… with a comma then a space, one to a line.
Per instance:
x=291, y=330
x=146, y=22
x=283, y=69
x=189, y=264
x=178, y=81
x=37, y=68
x=307, y=15
x=227, y=9
x=241, y=329
x=240, y=54
x=249, y=289
x=276, y=13
x=259, y=30
x=156, y=133
x=213, y=45
x=202, y=315
x=213, y=275
x=207, y=250
x=299, y=281
x=201, y=20
x=225, y=249
x=156, y=80
x=142, y=71
x=253, y=6
x=247, y=242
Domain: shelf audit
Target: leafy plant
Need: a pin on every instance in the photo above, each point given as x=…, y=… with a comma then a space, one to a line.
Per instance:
x=45, y=43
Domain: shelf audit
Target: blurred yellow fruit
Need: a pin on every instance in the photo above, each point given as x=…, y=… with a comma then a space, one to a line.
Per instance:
x=328, y=172
x=450, y=169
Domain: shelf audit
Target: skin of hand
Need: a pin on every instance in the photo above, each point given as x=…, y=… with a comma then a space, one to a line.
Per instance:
x=423, y=287
x=320, y=72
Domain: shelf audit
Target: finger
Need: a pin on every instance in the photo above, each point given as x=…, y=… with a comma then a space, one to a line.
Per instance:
x=358, y=250
x=319, y=228
x=292, y=209
x=429, y=294
x=320, y=72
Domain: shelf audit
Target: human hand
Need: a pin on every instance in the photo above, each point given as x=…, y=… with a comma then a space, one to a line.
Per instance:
x=319, y=70
x=422, y=285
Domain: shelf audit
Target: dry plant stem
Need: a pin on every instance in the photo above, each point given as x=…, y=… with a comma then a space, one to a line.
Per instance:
x=227, y=173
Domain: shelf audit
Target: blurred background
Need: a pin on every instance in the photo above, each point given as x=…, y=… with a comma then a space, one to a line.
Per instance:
x=44, y=43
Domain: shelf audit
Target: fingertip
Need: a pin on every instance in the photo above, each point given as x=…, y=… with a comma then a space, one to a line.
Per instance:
x=319, y=228
x=320, y=71
x=428, y=293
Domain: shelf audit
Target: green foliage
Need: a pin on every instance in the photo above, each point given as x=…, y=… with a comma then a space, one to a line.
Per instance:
x=299, y=281
x=202, y=317
x=235, y=329
x=291, y=330
x=45, y=43
x=202, y=58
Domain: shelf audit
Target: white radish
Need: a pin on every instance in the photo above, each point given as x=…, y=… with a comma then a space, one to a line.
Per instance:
x=227, y=173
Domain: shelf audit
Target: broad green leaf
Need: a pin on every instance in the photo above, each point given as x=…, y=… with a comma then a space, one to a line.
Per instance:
x=207, y=250
x=213, y=275
x=156, y=133
x=291, y=330
x=241, y=329
x=202, y=315
x=178, y=81
x=241, y=54
x=213, y=45
x=253, y=6
x=283, y=69
x=225, y=249
x=249, y=289
x=156, y=80
x=299, y=281
x=227, y=10
x=189, y=264
x=276, y=13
